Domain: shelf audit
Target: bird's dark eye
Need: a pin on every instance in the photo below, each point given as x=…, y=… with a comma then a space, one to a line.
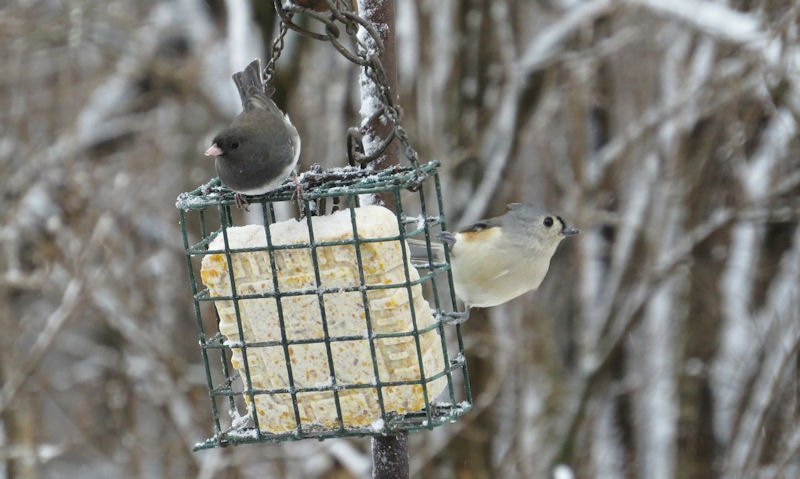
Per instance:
x=235, y=145
x=548, y=221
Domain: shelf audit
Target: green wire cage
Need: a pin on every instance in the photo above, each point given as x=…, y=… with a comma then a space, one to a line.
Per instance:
x=271, y=377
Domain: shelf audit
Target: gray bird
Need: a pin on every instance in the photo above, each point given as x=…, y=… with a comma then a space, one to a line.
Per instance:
x=496, y=260
x=260, y=148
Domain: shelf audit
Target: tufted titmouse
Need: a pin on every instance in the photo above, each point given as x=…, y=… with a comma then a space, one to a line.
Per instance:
x=498, y=259
x=260, y=147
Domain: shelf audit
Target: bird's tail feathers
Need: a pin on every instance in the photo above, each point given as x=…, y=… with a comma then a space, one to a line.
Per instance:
x=249, y=82
x=419, y=252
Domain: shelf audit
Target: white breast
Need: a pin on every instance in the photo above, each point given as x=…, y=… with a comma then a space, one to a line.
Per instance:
x=491, y=272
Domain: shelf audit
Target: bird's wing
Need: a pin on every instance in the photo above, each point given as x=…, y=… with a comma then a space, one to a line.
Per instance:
x=258, y=100
x=481, y=225
x=500, y=274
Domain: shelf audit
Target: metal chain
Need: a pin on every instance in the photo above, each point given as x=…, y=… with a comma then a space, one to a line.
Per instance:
x=277, y=48
x=378, y=76
x=338, y=15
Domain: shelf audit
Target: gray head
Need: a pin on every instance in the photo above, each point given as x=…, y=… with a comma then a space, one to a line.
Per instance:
x=238, y=143
x=259, y=130
x=258, y=149
x=534, y=223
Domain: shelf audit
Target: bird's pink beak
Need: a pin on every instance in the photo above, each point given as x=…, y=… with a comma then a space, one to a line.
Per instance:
x=214, y=150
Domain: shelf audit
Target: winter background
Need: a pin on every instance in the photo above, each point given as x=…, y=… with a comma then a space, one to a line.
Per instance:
x=663, y=343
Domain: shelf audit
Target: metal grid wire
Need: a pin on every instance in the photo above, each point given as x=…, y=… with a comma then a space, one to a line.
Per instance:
x=208, y=209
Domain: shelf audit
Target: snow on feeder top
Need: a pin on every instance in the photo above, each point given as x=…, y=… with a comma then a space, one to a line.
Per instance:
x=324, y=326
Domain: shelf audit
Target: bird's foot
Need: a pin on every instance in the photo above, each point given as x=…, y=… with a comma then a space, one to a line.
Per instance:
x=241, y=201
x=447, y=238
x=455, y=317
x=298, y=191
x=298, y=187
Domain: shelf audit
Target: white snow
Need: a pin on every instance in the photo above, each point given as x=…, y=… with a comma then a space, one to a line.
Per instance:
x=370, y=102
x=237, y=420
x=324, y=384
x=294, y=231
x=377, y=425
x=562, y=471
x=548, y=43
x=713, y=18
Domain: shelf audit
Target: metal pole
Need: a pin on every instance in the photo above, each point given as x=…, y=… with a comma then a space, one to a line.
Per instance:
x=389, y=453
x=390, y=457
x=381, y=13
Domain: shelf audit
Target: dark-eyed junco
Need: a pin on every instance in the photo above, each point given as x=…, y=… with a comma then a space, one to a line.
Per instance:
x=259, y=149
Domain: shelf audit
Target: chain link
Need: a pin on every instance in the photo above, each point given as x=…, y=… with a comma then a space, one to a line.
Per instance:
x=277, y=48
x=340, y=14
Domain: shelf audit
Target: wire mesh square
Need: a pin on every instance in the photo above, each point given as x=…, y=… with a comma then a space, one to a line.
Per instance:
x=286, y=354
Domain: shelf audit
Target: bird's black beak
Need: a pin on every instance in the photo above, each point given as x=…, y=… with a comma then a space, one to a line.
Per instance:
x=570, y=231
x=214, y=150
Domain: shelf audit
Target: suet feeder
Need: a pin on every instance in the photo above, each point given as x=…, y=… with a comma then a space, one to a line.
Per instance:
x=327, y=326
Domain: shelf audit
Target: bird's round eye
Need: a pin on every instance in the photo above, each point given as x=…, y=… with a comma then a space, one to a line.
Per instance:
x=548, y=221
x=235, y=145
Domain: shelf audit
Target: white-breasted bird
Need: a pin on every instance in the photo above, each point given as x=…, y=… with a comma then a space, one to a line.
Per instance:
x=495, y=260
x=260, y=148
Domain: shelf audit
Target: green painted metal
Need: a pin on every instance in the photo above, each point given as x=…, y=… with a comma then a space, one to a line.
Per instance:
x=225, y=384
